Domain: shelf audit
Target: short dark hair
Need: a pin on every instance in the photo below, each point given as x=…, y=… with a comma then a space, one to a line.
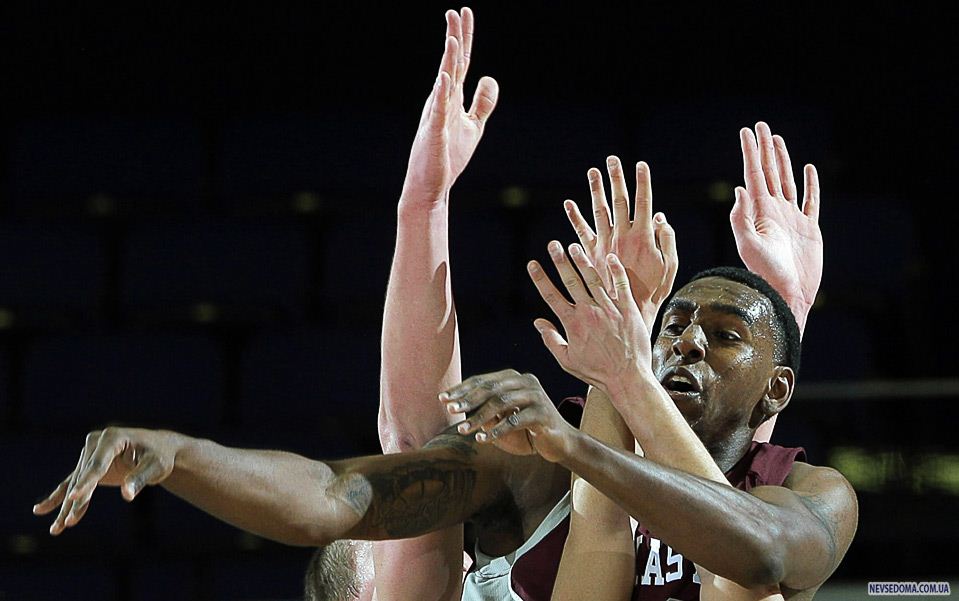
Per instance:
x=332, y=573
x=788, y=345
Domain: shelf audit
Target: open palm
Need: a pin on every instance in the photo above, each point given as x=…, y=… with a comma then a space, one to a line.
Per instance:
x=447, y=134
x=776, y=238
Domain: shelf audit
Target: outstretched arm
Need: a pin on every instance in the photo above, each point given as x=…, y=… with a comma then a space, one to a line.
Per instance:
x=420, y=348
x=778, y=238
x=286, y=497
x=420, y=345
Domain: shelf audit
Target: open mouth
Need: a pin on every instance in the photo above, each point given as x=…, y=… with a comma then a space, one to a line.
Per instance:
x=680, y=382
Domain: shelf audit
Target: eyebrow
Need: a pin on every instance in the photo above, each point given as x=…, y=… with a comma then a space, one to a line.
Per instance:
x=688, y=306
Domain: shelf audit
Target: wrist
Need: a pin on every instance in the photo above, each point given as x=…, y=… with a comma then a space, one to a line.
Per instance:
x=423, y=199
x=631, y=385
x=180, y=448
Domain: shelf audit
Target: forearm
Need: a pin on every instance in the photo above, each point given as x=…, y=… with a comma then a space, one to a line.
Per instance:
x=420, y=345
x=278, y=495
x=598, y=558
x=660, y=428
x=298, y=501
x=679, y=507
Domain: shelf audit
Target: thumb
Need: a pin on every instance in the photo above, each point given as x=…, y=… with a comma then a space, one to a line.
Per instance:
x=743, y=215
x=484, y=100
x=149, y=470
x=553, y=340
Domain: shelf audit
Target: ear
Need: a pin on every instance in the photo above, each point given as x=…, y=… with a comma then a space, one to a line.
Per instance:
x=779, y=390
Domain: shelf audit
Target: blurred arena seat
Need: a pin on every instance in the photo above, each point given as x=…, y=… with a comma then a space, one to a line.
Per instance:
x=51, y=272
x=690, y=141
x=545, y=144
x=78, y=382
x=356, y=251
x=838, y=344
x=259, y=578
x=266, y=161
x=47, y=579
x=210, y=270
x=321, y=383
x=105, y=165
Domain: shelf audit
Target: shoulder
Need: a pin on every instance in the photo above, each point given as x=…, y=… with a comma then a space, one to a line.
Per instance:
x=827, y=495
x=817, y=480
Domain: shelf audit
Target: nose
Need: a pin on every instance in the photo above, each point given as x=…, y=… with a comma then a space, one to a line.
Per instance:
x=691, y=345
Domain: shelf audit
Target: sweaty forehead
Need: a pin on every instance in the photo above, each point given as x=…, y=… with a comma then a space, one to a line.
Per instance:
x=709, y=291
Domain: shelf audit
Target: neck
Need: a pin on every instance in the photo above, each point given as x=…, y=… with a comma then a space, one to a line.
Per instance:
x=728, y=451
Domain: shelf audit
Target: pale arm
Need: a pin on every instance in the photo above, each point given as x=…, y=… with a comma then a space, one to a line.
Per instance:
x=599, y=559
x=420, y=344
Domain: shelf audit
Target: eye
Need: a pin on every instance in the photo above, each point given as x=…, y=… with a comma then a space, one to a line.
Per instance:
x=674, y=329
x=728, y=335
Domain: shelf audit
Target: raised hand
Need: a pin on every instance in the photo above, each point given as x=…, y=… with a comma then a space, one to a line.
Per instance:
x=448, y=134
x=606, y=335
x=512, y=411
x=125, y=457
x=645, y=245
x=776, y=237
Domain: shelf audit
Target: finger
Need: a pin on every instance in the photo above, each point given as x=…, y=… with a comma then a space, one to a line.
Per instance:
x=448, y=63
x=785, y=169
x=810, y=205
x=439, y=109
x=484, y=100
x=493, y=405
x=767, y=155
x=567, y=273
x=644, y=197
x=547, y=291
x=593, y=282
x=624, y=296
x=67, y=505
x=50, y=502
x=454, y=30
x=149, y=470
x=752, y=167
x=585, y=234
x=742, y=219
x=617, y=183
x=479, y=381
x=97, y=466
x=467, y=20
x=666, y=241
x=601, y=215
x=530, y=417
x=553, y=340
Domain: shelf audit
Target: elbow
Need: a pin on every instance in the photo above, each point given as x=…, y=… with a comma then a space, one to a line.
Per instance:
x=768, y=566
x=394, y=438
x=767, y=571
x=399, y=436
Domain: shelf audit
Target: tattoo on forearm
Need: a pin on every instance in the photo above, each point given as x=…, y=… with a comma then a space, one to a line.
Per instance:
x=464, y=445
x=412, y=496
x=417, y=497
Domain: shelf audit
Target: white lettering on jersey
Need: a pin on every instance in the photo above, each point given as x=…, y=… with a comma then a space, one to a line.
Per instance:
x=696, y=579
x=653, y=566
x=674, y=560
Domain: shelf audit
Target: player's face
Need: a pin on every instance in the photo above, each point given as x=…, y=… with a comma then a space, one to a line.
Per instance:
x=715, y=354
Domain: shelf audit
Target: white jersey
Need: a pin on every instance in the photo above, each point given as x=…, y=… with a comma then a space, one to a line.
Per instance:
x=490, y=581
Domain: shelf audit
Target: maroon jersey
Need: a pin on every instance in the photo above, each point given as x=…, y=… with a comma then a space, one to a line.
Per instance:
x=662, y=573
